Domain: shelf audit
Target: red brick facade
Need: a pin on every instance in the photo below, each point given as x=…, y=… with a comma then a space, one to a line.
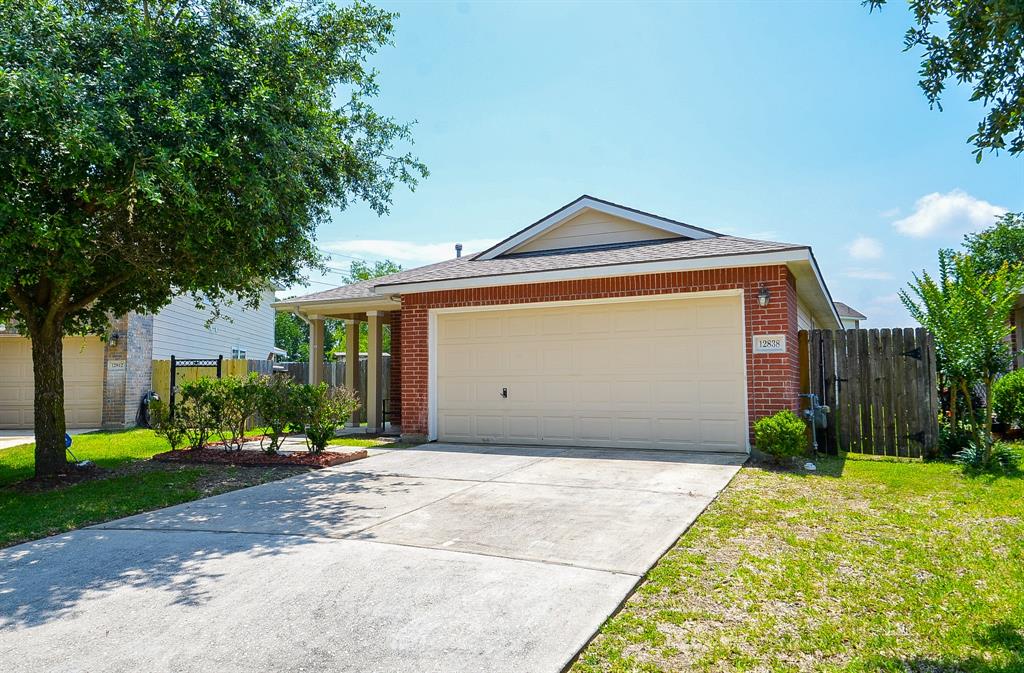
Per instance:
x=395, y=373
x=772, y=379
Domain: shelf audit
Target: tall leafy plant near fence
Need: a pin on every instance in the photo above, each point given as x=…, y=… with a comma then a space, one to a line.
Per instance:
x=966, y=308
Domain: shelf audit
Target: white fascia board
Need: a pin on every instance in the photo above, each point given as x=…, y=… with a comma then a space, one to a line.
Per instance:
x=606, y=271
x=328, y=306
x=556, y=218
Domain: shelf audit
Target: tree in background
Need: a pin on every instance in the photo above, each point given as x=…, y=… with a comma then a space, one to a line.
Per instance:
x=149, y=149
x=1001, y=243
x=979, y=43
x=966, y=310
x=292, y=333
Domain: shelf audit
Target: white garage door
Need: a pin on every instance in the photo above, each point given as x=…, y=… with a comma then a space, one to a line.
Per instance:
x=83, y=382
x=661, y=374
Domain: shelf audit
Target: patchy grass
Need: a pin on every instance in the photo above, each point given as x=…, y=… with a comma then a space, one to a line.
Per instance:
x=865, y=565
x=370, y=442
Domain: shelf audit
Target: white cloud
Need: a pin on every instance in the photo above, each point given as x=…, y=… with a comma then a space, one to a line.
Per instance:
x=890, y=213
x=865, y=247
x=953, y=212
x=407, y=253
x=867, y=274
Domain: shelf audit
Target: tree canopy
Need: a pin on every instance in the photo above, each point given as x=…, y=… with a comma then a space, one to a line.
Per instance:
x=152, y=149
x=979, y=43
x=1001, y=243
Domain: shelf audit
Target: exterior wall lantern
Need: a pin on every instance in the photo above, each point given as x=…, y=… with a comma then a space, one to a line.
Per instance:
x=764, y=295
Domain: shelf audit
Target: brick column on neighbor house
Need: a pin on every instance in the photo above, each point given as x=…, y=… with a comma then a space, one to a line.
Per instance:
x=773, y=380
x=395, y=371
x=127, y=369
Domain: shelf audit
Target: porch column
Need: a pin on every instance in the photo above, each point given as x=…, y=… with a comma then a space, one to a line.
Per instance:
x=316, y=350
x=352, y=367
x=374, y=368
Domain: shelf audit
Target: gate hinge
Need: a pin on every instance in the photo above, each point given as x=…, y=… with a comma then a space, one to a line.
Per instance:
x=913, y=353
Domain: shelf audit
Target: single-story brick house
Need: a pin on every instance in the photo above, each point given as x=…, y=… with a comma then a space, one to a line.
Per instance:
x=104, y=381
x=597, y=325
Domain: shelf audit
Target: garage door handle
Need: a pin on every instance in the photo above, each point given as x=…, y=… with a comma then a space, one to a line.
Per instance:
x=504, y=392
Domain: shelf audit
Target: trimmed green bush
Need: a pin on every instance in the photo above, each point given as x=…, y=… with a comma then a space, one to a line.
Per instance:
x=320, y=410
x=782, y=435
x=1008, y=399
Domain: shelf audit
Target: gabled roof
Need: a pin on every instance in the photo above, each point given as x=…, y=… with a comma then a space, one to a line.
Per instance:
x=845, y=311
x=585, y=202
x=697, y=249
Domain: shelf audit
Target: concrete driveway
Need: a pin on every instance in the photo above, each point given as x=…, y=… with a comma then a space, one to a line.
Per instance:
x=441, y=558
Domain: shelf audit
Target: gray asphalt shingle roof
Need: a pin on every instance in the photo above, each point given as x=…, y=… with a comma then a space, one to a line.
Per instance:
x=632, y=253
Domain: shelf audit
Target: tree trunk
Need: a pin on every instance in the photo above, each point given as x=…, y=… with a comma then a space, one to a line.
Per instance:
x=48, y=370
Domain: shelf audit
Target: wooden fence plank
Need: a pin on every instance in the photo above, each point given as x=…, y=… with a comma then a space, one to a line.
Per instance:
x=899, y=393
x=852, y=389
x=864, y=344
x=842, y=402
x=874, y=358
x=888, y=402
x=829, y=381
x=933, y=408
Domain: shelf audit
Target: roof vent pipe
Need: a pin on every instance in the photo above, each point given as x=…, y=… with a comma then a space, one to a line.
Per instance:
x=458, y=250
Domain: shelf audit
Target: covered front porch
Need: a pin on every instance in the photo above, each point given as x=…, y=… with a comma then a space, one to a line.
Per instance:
x=383, y=322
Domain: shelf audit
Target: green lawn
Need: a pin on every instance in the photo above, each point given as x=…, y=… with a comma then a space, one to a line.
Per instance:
x=864, y=566
x=134, y=485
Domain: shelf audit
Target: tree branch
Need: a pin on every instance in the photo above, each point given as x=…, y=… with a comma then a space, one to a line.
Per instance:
x=95, y=293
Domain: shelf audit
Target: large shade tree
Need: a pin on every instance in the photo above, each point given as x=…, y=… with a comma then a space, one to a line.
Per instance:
x=979, y=43
x=151, y=148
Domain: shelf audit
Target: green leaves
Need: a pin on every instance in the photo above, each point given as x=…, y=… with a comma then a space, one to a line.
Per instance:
x=982, y=45
x=192, y=149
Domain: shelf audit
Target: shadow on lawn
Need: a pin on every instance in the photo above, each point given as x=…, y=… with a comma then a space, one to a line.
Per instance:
x=1004, y=640
x=181, y=550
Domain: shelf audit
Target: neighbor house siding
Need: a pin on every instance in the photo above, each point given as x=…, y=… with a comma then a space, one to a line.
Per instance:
x=772, y=379
x=180, y=330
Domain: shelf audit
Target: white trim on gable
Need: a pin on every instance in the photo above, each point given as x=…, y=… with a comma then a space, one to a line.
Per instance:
x=583, y=203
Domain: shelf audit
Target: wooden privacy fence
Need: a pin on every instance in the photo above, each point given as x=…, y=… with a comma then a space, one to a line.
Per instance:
x=334, y=374
x=881, y=386
x=162, y=373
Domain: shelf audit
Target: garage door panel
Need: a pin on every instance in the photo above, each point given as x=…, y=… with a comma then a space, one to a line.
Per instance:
x=715, y=315
x=83, y=382
x=646, y=374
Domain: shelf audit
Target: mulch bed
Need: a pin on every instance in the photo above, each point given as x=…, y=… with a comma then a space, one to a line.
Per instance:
x=225, y=457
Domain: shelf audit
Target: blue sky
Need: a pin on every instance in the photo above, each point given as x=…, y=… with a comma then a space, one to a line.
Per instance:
x=798, y=122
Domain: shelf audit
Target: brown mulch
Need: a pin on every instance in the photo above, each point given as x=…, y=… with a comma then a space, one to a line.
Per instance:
x=259, y=458
x=74, y=475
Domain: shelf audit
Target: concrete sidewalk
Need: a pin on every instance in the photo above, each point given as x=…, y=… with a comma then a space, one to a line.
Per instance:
x=440, y=558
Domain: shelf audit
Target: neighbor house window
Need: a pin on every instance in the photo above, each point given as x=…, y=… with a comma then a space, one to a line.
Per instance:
x=237, y=353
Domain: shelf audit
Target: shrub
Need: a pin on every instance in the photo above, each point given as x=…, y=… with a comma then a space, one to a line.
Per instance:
x=275, y=405
x=320, y=410
x=238, y=402
x=782, y=435
x=198, y=410
x=163, y=425
x=954, y=438
x=1008, y=399
x=993, y=458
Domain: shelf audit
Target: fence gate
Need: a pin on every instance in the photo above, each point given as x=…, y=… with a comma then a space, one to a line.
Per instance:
x=881, y=386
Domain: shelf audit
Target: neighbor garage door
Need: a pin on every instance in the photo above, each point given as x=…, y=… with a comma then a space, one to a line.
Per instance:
x=652, y=374
x=83, y=382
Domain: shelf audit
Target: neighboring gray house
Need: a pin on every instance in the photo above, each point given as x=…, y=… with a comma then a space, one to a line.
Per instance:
x=104, y=382
x=851, y=317
x=180, y=329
